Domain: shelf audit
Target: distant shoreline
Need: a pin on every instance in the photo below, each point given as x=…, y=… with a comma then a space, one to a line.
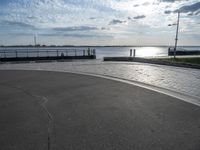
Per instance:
x=42, y=46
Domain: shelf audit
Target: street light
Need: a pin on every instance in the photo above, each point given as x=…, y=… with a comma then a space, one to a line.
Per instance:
x=176, y=39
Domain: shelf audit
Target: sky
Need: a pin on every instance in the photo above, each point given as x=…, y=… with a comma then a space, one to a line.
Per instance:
x=99, y=22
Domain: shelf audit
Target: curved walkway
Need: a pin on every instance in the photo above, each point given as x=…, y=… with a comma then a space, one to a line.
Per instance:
x=184, y=81
x=90, y=113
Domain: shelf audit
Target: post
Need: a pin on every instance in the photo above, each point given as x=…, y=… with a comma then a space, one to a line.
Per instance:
x=130, y=52
x=134, y=52
x=94, y=52
x=27, y=53
x=57, y=53
x=88, y=52
x=4, y=54
x=66, y=53
x=83, y=52
x=176, y=39
x=16, y=53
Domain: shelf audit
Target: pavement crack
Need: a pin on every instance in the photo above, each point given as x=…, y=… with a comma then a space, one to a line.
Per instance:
x=43, y=101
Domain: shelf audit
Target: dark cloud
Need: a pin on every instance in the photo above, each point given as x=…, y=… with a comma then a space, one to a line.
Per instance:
x=92, y=18
x=17, y=24
x=75, y=35
x=196, y=13
x=21, y=34
x=135, y=5
x=75, y=28
x=191, y=9
x=116, y=21
x=139, y=17
x=105, y=28
x=167, y=11
x=170, y=1
x=129, y=18
x=146, y=4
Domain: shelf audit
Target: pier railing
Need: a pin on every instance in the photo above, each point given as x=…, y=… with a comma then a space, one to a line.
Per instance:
x=13, y=54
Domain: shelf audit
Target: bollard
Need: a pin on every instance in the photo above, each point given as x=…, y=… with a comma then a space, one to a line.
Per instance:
x=62, y=55
x=91, y=52
x=94, y=52
x=134, y=52
x=131, y=52
x=88, y=52
x=83, y=52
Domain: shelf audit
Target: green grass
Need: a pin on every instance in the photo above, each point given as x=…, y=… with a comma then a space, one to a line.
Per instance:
x=188, y=60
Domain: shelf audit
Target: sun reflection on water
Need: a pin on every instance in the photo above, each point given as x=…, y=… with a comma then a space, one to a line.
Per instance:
x=150, y=52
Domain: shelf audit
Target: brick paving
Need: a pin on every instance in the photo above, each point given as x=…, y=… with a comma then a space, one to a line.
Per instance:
x=183, y=80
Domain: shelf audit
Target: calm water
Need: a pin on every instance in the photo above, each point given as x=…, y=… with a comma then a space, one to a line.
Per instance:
x=106, y=51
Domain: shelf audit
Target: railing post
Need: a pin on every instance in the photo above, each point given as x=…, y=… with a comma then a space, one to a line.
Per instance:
x=4, y=54
x=88, y=52
x=83, y=52
x=94, y=52
x=66, y=53
x=131, y=51
x=27, y=53
x=16, y=54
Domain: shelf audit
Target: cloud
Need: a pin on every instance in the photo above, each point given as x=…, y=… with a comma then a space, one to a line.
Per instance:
x=92, y=18
x=136, y=5
x=17, y=24
x=170, y=1
x=116, y=21
x=139, y=17
x=190, y=8
x=146, y=4
x=167, y=11
x=105, y=28
x=75, y=35
x=75, y=28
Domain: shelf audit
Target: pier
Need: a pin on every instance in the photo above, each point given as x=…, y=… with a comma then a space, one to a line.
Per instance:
x=182, y=52
x=42, y=54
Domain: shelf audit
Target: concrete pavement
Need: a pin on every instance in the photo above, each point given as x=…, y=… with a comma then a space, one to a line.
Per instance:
x=182, y=80
x=51, y=110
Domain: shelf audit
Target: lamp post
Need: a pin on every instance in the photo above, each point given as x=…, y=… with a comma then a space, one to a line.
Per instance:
x=177, y=28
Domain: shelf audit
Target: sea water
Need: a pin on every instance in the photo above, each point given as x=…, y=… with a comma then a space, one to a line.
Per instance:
x=142, y=51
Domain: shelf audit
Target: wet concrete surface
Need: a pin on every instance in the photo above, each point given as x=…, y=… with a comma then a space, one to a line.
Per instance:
x=91, y=113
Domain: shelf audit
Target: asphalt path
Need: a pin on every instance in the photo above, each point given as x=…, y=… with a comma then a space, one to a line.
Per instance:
x=59, y=111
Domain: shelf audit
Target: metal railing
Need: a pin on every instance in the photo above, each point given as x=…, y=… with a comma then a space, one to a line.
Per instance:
x=44, y=52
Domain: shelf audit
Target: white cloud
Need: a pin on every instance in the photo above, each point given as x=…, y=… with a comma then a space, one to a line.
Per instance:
x=47, y=14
